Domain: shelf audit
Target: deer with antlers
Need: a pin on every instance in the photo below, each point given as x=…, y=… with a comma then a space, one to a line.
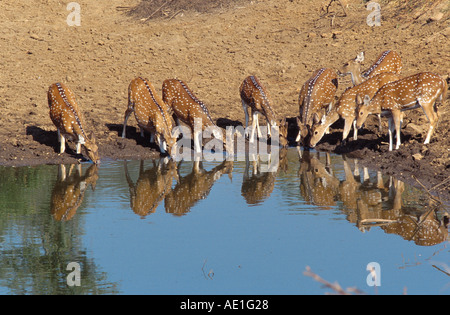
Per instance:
x=255, y=96
x=345, y=107
x=68, y=119
x=316, y=98
x=151, y=114
x=419, y=90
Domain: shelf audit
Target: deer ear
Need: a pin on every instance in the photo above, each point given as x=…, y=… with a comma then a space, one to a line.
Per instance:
x=366, y=99
x=358, y=100
x=360, y=57
x=316, y=118
x=92, y=137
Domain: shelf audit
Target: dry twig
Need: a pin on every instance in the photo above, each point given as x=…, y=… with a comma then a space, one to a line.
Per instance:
x=156, y=11
x=334, y=286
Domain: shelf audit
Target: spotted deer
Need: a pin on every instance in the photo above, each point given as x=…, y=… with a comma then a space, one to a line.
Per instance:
x=345, y=107
x=152, y=185
x=151, y=114
x=258, y=183
x=387, y=61
x=419, y=90
x=68, y=192
x=255, y=96
x=316, y=98
x=188, y=109
x=68, y=119
x=424, y=230
x=194, y=187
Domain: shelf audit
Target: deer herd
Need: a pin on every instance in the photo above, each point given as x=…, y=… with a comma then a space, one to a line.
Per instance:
x=380, y=90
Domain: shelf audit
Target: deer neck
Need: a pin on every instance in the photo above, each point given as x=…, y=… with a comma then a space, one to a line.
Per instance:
x=356, y=77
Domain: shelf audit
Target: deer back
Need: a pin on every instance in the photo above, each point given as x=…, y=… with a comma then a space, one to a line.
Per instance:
x=387, y=61
x=404, y=94
x=257, y=98
x=150, y=110
x=64, y=112
x=347, y=103
x=316, y=93
x=184, y=104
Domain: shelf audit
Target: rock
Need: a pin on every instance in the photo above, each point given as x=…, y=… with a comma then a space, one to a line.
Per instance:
x=417, y=157
x=436, y=16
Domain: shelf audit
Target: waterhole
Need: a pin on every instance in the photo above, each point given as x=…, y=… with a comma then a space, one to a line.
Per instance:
x=231, y=227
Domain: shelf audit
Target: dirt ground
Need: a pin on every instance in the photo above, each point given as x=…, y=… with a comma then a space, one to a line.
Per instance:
x=213, y=50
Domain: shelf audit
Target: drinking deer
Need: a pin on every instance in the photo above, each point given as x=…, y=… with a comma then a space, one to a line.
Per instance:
x=196, y=186
x=424, y=230
x=387, y=61
x=316, y=97
x=68, y=192
x=419, y=90
x=152, y=185
x=258, y=183
x=188, y=109
x=255, y=96
x=345, y=107
x=69, y=121
x=151, y=114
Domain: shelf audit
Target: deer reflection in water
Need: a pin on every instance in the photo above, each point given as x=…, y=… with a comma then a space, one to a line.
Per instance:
x=69, y=189
x=194, y=186
x=318, y=185
x=155, y=185
x=258, y=186
x=367, y=203
x=151, y=186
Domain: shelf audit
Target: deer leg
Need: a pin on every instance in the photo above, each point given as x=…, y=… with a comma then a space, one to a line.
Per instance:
x=398, y=124
x=79, y=143
x=255, y=117
x=245, y=107
x=269, y=128
x=347, y=126
x=380, y=127
x=390, y=131
x=254, y=122
x=127, y=115
x=432, y=115
x=161, y=143
x=197, y=141
x=62, y=142
x=355, y=130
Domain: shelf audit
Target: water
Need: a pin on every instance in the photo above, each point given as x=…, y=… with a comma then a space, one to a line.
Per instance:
x=133, y=229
